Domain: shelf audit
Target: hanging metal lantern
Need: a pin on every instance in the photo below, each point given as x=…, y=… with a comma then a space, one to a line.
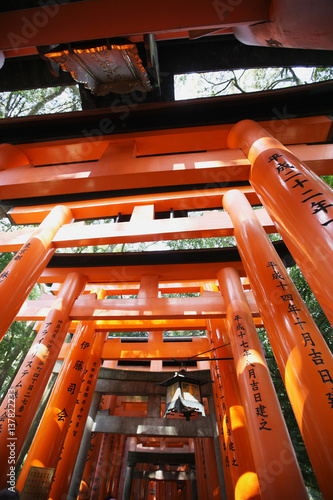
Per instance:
x=183, y=395
x=103, y=69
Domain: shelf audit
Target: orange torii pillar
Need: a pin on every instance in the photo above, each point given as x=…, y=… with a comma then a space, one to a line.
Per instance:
x=213, y=483
x=298, y=201
x=188, y=495
x=237, y=453
x=106, y=476
x=129, y=482
x=303, y=358
x=192, y=483
x=83, y=486
x=272, y=449
x=158, y=489
x=101, y=466
x=238, y=450
x=200, y=470
x=222, y=401
x=174, y=492
x=20, y=275
x=106, y=469
x=113, y=479
x=137, y=483
x=104, y=461
x=113, y=456
x=63, y=474
x=119, y=464
x=87, y=458
x=45, y=452
x=168, y=492
x=218, y=396
x=124, y=459
x=30, y=382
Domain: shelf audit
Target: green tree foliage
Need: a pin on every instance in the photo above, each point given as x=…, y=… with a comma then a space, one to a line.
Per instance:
x=321, y=74
x=39, y=101
x=239, y=81
x=13, y=349
x=313, y=306
x=197, y=243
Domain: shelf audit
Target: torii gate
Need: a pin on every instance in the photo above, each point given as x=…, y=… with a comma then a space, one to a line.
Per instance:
x=144, y=168
x=288, y=188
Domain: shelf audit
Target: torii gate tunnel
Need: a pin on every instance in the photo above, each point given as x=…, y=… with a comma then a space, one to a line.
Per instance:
x=83, y=417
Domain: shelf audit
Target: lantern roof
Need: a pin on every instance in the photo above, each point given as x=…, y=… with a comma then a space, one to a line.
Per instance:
x=183, y=376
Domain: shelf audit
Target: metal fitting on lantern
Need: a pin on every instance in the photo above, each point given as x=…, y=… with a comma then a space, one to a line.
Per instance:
x=183, y=394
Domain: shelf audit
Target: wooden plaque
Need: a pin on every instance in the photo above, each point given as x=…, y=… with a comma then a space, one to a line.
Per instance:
x=38, y=483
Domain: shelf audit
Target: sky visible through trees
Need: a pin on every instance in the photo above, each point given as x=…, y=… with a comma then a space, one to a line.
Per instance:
x=198, y=85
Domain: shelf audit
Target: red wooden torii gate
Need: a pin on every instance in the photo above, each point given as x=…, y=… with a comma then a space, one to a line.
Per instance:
x=59, y=172
x=289, y=190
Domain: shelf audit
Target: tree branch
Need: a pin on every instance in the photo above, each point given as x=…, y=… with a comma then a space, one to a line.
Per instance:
x=46, y=99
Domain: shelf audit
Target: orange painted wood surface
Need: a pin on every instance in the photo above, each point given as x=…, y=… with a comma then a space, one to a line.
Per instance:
x=43, y=22
x=113, y=173
x=21, y=273
x=239, y=468
x=298, y=201
x=293, y=131
x=140, y=228
x=109, y=207
x=46, y=447
x=262, y=410
x=302, y=355
x=165, y=272
x=58, y=413
x=65, y=467
x=33, y=375
x=115, y=349
x=88, y=308
x=108, y=173
x=188, y=286
x=131, y=155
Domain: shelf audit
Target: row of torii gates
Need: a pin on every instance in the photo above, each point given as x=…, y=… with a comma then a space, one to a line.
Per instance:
x=241, y=448
x=144, y=164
